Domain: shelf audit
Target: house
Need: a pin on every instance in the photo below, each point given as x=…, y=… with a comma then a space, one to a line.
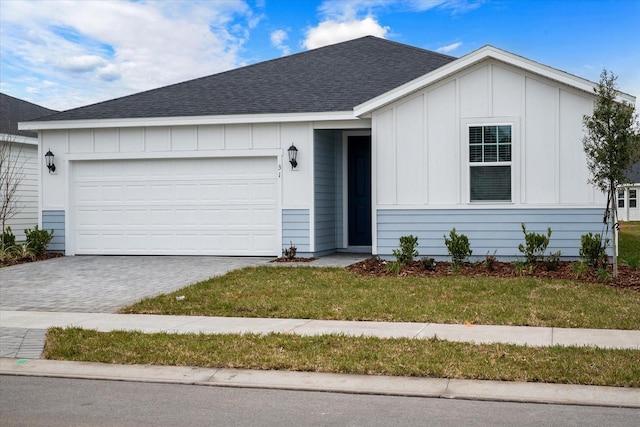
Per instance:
x=628, y=207
x=19, y=150
x=390, y=140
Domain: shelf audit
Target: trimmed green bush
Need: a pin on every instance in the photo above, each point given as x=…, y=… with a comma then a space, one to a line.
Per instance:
x=593, y=250
x=38, y=240
x=535, y=245
x=407, y=251
x=458, y=247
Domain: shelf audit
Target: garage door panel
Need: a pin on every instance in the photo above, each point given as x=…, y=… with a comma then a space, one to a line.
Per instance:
x=183, y=206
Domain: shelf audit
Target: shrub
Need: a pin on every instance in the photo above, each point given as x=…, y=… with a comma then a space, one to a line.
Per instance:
x=490, y=261
x=7, y=238
x=428, y=263
x=38, y=240
x=603, y=274
x=6, y=254
x=458, y=247
x=552, y=262
x=593, y=250
x=580, y=268
x=407, y=251
x=536, y=245
x=23, y=252
x=290, y=252
x=394, y=267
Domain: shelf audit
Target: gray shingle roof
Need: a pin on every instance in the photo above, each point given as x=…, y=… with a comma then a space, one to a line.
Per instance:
x=332, y=78
x=633, y=173
x=14, y=110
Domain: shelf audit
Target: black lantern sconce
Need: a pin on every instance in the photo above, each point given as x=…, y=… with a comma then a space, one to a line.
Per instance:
x=293, y=155
x=49, y=158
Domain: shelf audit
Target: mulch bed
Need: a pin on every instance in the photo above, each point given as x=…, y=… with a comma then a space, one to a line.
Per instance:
x=42, y=257
x=627, y=278
x=294, y=259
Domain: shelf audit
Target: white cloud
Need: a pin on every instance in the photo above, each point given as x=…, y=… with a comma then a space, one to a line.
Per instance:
x=81, y=63
x=86, y=46
x=278, y=37
x=449, y=48
x=330, y=32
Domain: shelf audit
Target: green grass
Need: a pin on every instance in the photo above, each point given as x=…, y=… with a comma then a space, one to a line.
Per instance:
x=629, y=245
x=319, y=293
x=342, y=354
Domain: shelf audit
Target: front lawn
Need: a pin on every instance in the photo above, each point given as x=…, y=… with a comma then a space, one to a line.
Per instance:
x=353, y=355
x=336, y=294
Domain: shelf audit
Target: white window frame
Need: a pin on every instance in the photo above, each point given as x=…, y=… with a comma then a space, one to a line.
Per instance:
x=621, y=198
x=634, y=199
x=467, y=164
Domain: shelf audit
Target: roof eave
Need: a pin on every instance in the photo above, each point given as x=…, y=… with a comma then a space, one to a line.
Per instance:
x=187, y=120
x=486, y=52
x=18, y=139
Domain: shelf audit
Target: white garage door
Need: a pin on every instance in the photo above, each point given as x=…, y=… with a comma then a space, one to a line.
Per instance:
x=222, y=206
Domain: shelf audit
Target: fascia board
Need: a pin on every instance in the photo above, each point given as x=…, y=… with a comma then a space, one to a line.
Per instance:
x=19, y=139
x=187, y=121
x=486, y=52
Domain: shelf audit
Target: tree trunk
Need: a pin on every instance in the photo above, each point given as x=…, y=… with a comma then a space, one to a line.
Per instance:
x=614, y=225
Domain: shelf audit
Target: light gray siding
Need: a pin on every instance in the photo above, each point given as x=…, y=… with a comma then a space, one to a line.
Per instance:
x=54, y=220
x=24, y=158
x=489, y=231
x=295, y=229
x=325, y=190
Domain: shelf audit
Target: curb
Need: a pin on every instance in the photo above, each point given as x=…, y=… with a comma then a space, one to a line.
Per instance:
x=564, y=394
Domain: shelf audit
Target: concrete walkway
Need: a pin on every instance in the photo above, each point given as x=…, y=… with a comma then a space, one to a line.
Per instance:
x=479, y=334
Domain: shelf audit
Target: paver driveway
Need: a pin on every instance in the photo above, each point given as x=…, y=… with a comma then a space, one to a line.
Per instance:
x=103, y=284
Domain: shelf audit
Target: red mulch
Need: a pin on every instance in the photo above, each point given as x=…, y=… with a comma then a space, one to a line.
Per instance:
x=26, y=260
x=627, y=278
x=295, y=259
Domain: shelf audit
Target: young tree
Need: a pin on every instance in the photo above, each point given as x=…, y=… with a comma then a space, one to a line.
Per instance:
x=612, y=145
x=11, y=175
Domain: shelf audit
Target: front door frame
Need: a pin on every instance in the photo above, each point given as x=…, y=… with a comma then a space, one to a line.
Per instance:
x=345, y=190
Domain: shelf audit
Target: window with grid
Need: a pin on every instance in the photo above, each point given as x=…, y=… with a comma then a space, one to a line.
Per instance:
x=621, y=198
x=633, y=198
x=490, y=163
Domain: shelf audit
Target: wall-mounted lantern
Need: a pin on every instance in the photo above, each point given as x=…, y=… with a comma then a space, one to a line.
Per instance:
x=293, y=155
x=49, y=158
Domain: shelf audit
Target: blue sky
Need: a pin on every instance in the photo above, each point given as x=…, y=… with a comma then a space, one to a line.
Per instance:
x=65, y=54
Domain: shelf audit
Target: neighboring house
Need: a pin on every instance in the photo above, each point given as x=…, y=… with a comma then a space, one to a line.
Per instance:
x=628, y=206
x=391, y=140
x=21, y=148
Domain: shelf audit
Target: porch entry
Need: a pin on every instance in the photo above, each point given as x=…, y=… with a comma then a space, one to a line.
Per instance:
x=359, y=190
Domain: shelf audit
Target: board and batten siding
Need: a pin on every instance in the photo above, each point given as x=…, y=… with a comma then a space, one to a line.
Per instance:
x=295, y=230
x=325, y=191
x=490, y=231
x=54, y=220
x=421, y=141
x=24, y=158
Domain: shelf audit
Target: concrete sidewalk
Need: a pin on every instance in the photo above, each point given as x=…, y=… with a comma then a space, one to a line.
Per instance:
x=520, y=335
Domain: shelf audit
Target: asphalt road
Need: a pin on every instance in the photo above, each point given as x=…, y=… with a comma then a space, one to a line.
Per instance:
x=36, y=401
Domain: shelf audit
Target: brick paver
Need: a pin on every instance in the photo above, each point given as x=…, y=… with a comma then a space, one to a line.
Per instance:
x=95, y=284
x=103, y=284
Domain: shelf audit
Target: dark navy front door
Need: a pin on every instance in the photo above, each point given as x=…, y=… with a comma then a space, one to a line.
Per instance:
x=359, y=153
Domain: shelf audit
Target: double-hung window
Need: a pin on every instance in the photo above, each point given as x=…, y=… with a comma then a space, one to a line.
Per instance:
x=621, y=198
x=490, y=163
x=633, y=198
